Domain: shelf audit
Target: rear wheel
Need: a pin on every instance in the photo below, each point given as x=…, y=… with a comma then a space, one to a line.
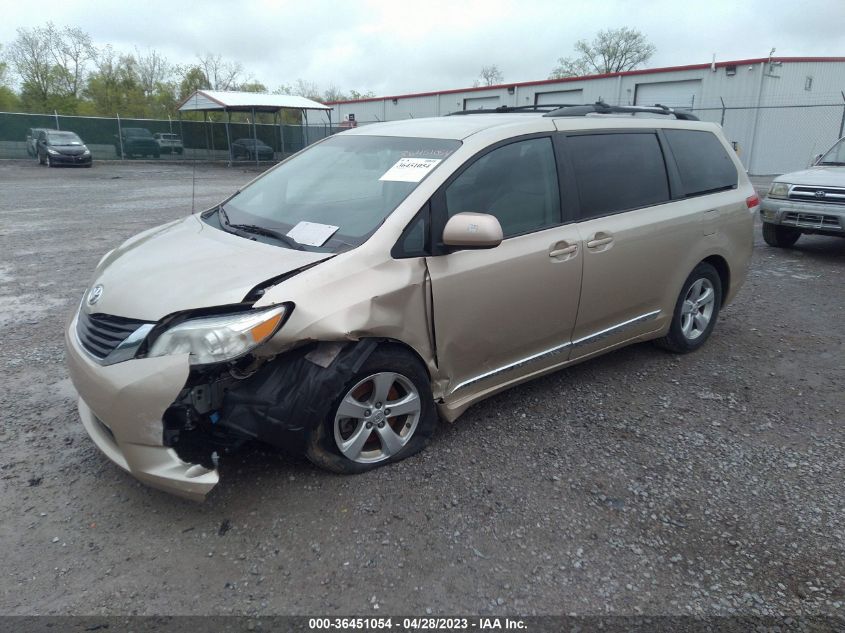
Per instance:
x=696, y=311
x=386, y=413
x=780, y=236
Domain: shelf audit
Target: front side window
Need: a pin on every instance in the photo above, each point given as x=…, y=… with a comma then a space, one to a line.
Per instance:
x=617, y=172
x=517, y=183
x=351, y=183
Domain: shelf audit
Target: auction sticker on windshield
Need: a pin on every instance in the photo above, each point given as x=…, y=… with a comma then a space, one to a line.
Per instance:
x=410, y=169
x=312, y=233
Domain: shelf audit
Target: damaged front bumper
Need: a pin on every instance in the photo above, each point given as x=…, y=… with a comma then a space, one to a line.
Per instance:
x=122, y=408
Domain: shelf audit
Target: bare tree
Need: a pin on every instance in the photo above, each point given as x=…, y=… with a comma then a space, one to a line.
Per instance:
x=332, y=93
x=611, y=51
x=489, y=76
x=72, y=50
x=153, y=70
x=307, y=89
x=221, y=74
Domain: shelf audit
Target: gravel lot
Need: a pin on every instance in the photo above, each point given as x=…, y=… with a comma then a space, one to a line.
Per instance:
x=637, y=483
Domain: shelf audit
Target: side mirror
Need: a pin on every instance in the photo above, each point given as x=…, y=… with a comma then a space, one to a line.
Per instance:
x=816, y=159
x=472, y=230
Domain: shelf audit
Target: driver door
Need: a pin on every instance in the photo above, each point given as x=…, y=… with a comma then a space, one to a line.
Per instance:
x=506, y=312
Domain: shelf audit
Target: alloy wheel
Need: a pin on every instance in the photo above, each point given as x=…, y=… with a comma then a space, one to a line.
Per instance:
x=377, y=417
x=697, y=308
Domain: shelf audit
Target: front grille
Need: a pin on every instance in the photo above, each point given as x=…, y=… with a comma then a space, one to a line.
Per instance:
x=812, y=220
x=835, y=195
x=100, y=334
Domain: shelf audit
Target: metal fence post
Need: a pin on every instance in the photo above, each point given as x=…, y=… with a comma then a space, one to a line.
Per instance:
x=842, y=122
x=56, y=114
x=120, y=137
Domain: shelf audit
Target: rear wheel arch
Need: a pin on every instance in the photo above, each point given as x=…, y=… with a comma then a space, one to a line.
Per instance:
x=723, y=268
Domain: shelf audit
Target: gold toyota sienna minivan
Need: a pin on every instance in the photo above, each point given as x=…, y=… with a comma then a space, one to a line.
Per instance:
x=394, y=274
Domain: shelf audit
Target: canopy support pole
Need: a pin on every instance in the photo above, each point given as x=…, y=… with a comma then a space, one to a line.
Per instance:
x=228, y=135
x=254, y=138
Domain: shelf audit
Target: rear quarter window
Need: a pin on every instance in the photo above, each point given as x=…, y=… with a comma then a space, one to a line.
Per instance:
x=703, y=163
x=617, y=172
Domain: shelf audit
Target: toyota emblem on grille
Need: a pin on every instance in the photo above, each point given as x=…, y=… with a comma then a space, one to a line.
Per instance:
x=820, y=193
x=94, y=295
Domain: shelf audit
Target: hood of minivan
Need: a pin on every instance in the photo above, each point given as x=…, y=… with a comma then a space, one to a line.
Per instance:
x=186, y=265
x=820, y=175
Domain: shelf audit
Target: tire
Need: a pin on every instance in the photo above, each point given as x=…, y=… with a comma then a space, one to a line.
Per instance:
x=780, y=236
x=390, y=370
x=696, y=311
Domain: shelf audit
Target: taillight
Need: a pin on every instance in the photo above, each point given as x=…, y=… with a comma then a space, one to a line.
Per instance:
x=752, y=201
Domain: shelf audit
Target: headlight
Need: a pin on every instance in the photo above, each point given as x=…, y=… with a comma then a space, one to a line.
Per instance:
x=52, y=151
x=219, y=338
x=779, y=190
x=87, y=152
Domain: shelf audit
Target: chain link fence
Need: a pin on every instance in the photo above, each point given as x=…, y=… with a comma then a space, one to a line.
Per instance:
x=772, y=140
x=769, y=140
x=199, y=140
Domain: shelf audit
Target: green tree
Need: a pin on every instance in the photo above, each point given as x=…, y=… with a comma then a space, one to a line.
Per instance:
x=355, y=95
x=9, y=101
x=193, y=79
x=611, y=51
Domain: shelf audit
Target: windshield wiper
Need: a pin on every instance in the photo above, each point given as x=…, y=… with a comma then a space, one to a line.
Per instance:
x=259, y=230
x=831, y=162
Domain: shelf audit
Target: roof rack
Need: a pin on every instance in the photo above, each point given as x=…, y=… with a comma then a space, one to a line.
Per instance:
x=545, y=107
x=600, y=107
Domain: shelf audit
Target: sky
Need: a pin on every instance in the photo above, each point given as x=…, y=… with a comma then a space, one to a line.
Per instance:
x=401, y=46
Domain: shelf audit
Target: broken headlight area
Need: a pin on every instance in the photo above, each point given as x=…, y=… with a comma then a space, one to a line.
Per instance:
x=276, y=401
x=220, y=337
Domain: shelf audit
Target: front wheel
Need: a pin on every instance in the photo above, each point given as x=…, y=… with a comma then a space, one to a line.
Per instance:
x=386, y=413
x=696, y=311
x=780, y=236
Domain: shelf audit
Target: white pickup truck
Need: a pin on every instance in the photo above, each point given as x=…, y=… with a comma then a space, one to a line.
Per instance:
x=169, y=143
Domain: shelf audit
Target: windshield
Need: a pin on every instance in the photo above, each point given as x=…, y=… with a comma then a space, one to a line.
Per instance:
x=63, y=138
x=338, y=192
x=835, y=156
x=137, y=131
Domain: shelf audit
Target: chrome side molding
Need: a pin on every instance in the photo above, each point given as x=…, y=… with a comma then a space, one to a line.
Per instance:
x=585, y=340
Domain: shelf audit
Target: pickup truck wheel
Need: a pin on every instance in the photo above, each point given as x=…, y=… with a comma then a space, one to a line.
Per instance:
x=696, y=311
x=780, y=236
x=386, y=413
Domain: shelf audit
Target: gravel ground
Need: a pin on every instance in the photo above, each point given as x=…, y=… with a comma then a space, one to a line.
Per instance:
x=636, y=483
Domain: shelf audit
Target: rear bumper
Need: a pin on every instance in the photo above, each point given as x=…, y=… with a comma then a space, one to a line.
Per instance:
x=810, y=217
x=121, y=407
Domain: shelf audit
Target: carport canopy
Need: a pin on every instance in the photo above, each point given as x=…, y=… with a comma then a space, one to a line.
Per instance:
x=229, y=101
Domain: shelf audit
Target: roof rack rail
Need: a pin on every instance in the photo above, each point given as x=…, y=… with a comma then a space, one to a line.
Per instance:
x=600, y=107
x=545, y=107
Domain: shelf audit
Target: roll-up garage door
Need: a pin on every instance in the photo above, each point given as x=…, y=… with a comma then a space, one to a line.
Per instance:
x=559, y=96
x=675, y=94
x=477, y=103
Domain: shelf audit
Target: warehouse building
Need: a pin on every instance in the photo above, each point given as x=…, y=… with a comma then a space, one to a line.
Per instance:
x=779, y=112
